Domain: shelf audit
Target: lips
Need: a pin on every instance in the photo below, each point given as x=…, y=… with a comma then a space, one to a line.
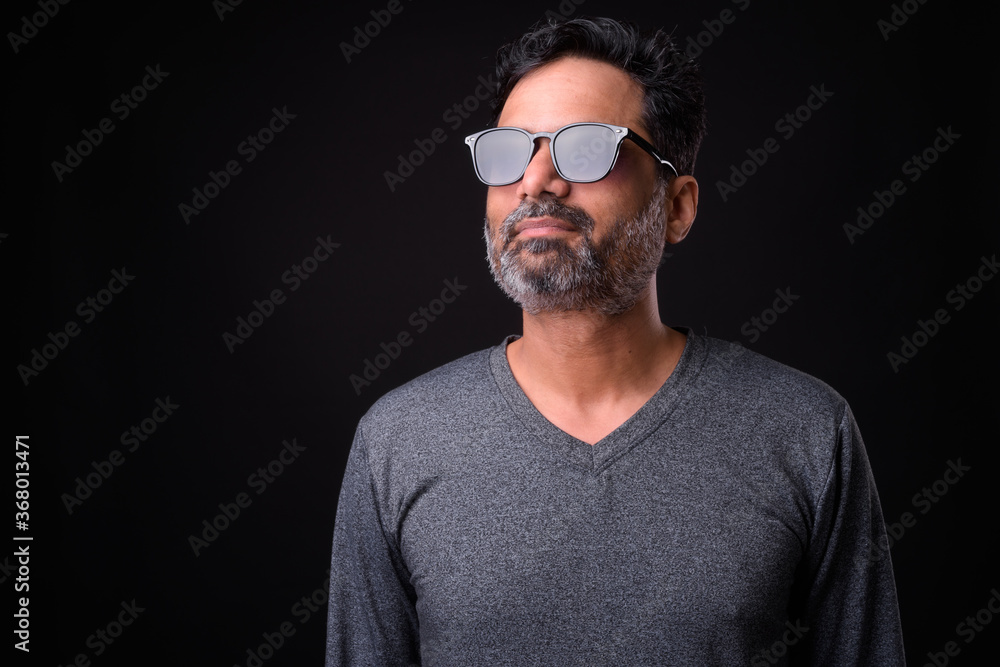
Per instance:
x=542, y=226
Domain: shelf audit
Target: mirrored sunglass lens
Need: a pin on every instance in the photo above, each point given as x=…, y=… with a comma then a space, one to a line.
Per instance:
x=585, y=152
x=501, y=155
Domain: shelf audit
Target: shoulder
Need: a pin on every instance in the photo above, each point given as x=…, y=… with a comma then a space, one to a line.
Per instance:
x=449, y=394
x=426, y=428
x=790, y=427
x=769, y=410
x=760, y=383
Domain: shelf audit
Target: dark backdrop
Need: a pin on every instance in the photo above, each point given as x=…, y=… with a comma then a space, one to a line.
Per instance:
x=115, y=519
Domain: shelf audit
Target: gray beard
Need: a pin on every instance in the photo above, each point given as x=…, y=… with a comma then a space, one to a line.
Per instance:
x=545, y=274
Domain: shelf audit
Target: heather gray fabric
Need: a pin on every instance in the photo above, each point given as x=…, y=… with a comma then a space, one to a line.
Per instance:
x=731, y=515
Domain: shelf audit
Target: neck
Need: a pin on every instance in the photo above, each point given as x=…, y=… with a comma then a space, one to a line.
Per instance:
x=587, y=358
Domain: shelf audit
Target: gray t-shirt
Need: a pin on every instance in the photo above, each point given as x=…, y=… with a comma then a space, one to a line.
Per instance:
x=730, y=521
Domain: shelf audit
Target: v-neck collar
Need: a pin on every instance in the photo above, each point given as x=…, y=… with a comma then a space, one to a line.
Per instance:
x=629, y=434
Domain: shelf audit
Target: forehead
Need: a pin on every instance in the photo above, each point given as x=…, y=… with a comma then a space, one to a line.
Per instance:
x=573, y=90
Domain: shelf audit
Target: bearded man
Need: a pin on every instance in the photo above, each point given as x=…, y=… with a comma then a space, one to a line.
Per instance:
x=605, y=489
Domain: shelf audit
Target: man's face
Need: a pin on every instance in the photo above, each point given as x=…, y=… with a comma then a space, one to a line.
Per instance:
x=554, y=245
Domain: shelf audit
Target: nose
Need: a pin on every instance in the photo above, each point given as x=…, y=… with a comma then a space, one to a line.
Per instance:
x=541, y=178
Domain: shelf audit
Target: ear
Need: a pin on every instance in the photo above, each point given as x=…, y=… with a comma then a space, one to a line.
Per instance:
x=682, y=207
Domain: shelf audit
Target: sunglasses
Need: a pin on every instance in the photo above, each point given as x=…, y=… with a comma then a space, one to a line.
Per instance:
x=581, y=152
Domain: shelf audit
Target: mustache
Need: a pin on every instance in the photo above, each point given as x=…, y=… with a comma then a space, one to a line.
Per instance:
x=546, y=208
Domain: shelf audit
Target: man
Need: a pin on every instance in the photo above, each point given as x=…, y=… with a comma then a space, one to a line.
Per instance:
x=604, y=489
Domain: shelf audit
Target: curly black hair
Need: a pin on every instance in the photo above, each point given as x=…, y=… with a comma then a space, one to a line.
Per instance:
x=673, y=98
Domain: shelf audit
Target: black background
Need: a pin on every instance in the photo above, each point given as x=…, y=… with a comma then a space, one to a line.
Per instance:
x=324, y=176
